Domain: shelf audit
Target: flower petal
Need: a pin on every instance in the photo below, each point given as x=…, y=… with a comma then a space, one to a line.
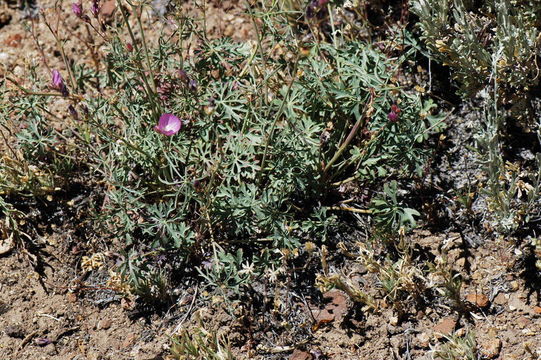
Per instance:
x=168, y=124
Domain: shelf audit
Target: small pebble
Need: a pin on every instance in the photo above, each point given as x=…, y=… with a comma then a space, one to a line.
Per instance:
x=491, y=348
x=104, y=324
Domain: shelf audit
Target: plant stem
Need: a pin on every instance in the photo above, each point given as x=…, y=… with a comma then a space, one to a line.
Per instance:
x=276, y=118
x=151, y=94
x=352, y=133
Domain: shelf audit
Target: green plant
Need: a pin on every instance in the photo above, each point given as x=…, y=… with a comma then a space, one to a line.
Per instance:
x=200, y=343
x=265, y=141
x=457, y=348
x=492, y=50
x=446, y=281
x=390, y=214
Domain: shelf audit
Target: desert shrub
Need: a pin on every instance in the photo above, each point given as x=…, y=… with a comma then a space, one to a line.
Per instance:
x=483, y=42
x=492, y=50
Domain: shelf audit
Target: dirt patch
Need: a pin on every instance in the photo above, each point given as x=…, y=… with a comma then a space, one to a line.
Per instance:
x=42, y=319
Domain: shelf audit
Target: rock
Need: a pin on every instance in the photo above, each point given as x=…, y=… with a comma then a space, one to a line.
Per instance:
x=514, y=285
x=537, y=310
x=71, y=297
x=13, y=40
x=491, y=348
x=460, y=263
x=445, y=327
x=335, y=310
x=108, y=8
x=129, y=341
x=50, y=349
x=516, y=303
x=501, y=299
x=14, y=331
x=478, y=299
x=423, y=340
x=522, y=322
x=300, y=355
x=104, y=324
x=8, y=244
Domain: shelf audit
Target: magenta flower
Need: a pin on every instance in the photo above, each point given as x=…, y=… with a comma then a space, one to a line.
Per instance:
x=183, y=75
x=394, y=114
x=58, y=81
x=77, y=9
x=168, y=125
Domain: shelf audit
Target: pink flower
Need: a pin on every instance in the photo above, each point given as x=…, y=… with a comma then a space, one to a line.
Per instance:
x=168, y=125
x=392, y=116
x=77, y=9
x=58, y=81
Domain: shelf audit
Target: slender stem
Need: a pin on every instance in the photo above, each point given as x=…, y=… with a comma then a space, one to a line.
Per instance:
x=117, y=137
x=40, y=93
x=64, y=57
x=145, y=47
x=148, y=89
x=351, y=135
x=331, y=19
x=351, y=209
x=40, y=48
x=276, y=118
x=259, y=47
x=7, y=143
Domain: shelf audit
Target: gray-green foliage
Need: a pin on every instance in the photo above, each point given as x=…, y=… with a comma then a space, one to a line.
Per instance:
x=458, y=348
x=467, y=36
x=492, y=48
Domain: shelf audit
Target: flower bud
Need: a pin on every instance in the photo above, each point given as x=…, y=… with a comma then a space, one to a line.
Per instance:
x=192, y=85
x=74, y=114
x=95, y=8
x=77, y=9
x=392, y=116
x=58, y=83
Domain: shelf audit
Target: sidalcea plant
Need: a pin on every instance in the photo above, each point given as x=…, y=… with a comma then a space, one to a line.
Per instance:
x=267, y=142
